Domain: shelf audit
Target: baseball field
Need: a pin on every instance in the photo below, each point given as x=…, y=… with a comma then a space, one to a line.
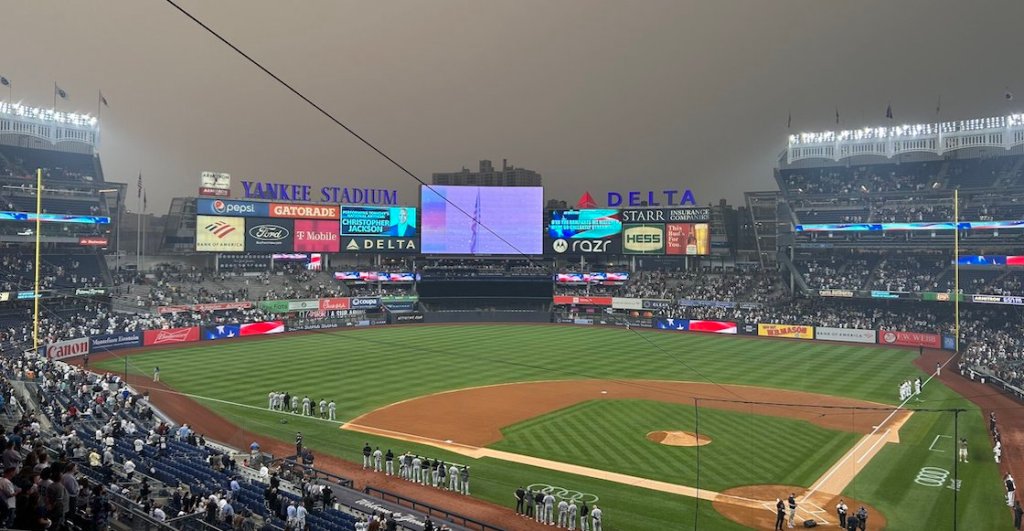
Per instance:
x=588, y=411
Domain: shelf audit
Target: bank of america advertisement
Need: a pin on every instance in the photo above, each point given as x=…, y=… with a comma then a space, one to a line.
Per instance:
x=220, y=234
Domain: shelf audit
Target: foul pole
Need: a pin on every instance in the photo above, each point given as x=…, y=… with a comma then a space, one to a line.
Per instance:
x=35, y=294
x=956, y=269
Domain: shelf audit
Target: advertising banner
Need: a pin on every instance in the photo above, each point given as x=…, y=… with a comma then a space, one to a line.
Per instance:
x=784, y=330
x=909, y=339
x=585, y=231
x=220, y=332
x=835, y=293
x=93, y=241
x=405, y=318
x=318, y=236
x=227, y=207
x=269, y=235
x=220, y=234
x=388, y=244
x=397, y=222
x=295, y=306
x=72, y=348
x=399, y=298
x=296, y=211
x=689, y=239
x=170, y=336
x=274, y=306
x=335, y=303
x=948, y=342
x=714, y=327
x=400, y=306
x=665, y=215
x=106, y=343
x=260, y=329
x=583, y=301
x=365, y=303
x=655, y=304
x=90, y=292
x=624, y=303
x=643, y=239
x=998, y=299
x=747, y=329
x=853, y=335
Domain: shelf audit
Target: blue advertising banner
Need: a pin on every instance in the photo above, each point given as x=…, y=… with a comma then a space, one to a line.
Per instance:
x=220, y=331
x=227, y=207
x=110, y=342
x=948, y=342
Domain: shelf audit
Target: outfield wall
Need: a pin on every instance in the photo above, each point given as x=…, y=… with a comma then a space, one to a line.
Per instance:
x=302, y=321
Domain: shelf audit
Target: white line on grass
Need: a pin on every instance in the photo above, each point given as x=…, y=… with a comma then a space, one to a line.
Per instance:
x=932, y=445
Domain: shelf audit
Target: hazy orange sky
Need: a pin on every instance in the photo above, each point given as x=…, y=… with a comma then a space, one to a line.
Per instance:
x=596, y=95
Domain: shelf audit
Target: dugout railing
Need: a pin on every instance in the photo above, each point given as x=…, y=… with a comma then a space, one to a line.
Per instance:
x=430, y=510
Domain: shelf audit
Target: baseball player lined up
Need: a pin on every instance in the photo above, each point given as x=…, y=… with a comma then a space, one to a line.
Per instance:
x=285, y=401
x=421, y=470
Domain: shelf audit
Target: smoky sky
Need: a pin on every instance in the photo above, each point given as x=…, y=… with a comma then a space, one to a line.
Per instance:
x=596, y=95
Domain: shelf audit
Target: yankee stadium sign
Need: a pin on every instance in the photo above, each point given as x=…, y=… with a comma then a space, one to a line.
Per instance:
x=272, y=191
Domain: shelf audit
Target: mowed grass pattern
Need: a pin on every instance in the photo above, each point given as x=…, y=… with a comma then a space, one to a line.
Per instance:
x=745, y=449
x=365, y=369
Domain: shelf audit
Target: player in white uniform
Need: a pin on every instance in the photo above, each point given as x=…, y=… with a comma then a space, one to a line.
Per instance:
x=416, y=462
x=377, y=455
x=305, y=406
x=270, y=399
x=453, y=478
x=332, y=410
x=998, y=450
x=563, y=514
x=549, y=509
x=572, y=516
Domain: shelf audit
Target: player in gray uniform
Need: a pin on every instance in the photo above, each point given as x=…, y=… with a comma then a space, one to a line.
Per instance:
x=563, y=514
x=295, y=404
x=377, y=455
x=596, y=514
x=573, y=510
x=453, y=478
x=414, y=475
x=549, y=509
x=464, y=479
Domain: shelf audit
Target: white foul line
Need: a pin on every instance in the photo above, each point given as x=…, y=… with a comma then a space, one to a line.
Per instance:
x=878, y=440
x=932, y=445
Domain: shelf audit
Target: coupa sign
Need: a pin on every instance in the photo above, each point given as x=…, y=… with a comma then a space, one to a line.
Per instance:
x=71, y=348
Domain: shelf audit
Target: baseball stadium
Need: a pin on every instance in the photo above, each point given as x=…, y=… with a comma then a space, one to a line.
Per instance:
x=842, y=349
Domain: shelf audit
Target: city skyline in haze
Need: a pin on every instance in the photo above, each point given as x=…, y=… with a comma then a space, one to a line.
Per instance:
x=596, y=96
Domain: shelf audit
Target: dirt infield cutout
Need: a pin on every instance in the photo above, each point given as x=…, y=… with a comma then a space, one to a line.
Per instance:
x=678, y=438
x=466, y=421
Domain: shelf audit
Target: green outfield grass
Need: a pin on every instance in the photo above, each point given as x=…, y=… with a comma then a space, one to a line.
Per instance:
x=745, y=449
x=370, y=368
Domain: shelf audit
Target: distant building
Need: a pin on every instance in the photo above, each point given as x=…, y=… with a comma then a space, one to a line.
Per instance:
x=487, y=176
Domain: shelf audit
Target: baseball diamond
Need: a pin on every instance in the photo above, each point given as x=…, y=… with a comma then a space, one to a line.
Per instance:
x=484, y=395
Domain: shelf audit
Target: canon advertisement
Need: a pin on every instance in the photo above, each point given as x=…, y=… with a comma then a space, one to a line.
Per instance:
x=265, y=235
x=71, y=348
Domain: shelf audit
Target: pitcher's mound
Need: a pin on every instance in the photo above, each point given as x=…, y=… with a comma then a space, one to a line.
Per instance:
x=678, y=438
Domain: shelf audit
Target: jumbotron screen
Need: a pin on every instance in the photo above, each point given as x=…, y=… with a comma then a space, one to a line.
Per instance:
x=515, y=214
